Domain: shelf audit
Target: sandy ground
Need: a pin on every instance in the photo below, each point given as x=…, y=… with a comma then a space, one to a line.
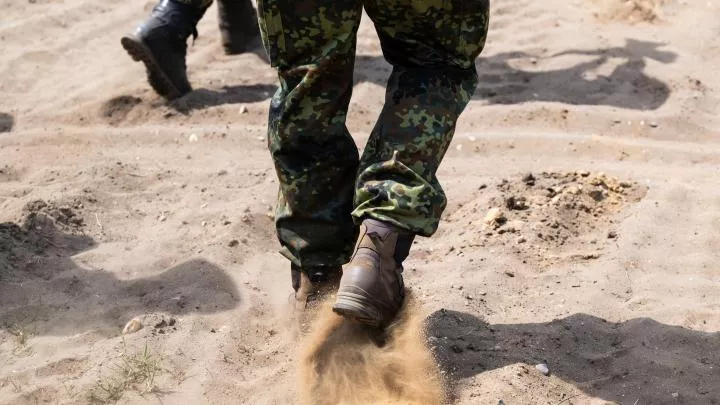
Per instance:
x=602, y=264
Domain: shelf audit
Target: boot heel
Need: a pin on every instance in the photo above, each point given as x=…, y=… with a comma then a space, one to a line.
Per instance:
x=357, y=308
x=133, y=48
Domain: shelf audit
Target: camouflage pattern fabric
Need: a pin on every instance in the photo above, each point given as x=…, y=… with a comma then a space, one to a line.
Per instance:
x=325, y=186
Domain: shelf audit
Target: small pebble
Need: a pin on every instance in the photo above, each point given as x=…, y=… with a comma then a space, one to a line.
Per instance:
x=494, y=216
x=516, y=203
x=193, y=138
x=543, y=368
x=574, y=190
x=133, y=326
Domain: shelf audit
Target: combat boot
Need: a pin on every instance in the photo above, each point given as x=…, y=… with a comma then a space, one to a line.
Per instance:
x=161, y=44
x=311, y=288
x=371, y=288
x=313, y=284
x=239, y=29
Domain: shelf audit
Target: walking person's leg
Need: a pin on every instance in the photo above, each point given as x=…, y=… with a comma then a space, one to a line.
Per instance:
x=238, y=23
x=432, y=46
x=311, y=43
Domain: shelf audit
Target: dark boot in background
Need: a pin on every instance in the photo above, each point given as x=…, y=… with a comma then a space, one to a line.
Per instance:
x=239, y=28
x=161, y=44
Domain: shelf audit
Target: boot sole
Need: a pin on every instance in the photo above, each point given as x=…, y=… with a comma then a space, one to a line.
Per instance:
x=356, y=308
x=141, y=53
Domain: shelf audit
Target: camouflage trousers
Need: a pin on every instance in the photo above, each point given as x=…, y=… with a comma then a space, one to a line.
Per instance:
x=326, y=188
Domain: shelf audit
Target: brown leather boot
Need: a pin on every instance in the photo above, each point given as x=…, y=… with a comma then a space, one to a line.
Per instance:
x=371, y=288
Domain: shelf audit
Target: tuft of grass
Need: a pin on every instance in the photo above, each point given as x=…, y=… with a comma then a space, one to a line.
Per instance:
x=20, y=332
x=136, y=371
x=22, y=328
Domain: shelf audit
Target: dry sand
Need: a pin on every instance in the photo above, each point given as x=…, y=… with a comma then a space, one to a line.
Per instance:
x=604, y=264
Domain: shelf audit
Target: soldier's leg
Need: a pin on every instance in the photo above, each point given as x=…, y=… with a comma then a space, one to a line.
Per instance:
x=239, y=29
x=432, y=46
x=311, y=43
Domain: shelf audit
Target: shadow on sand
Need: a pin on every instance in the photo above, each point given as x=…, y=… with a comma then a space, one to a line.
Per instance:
x=205, y=98
x=639, y=359
x=627, y=86
x=42, y=288
x=6, y=122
